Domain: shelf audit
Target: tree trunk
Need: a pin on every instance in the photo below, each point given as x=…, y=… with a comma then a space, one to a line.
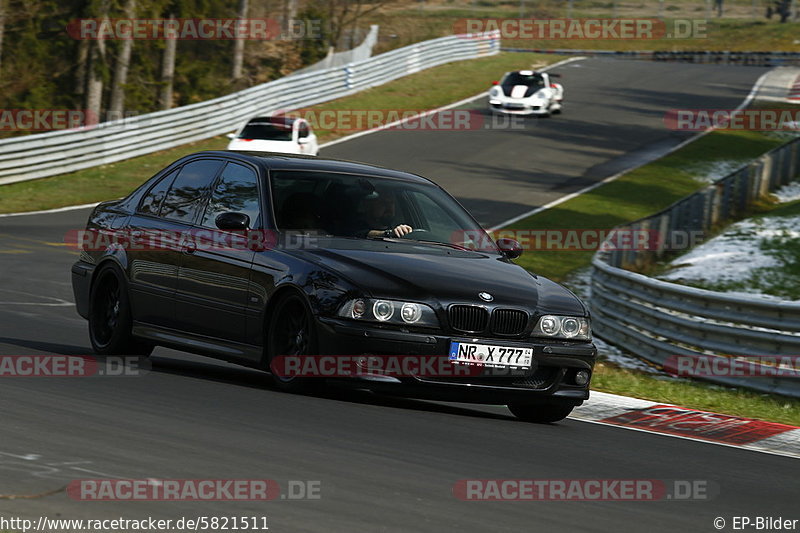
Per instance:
x=96, y=70
x=80, y=72
x=289, y=14
x=238, y=47
x=117, y=106
x=2, y=27
x=94, y=84
x=168, y=72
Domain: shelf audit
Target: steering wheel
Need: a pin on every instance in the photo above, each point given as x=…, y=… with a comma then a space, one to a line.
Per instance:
x=416, y=232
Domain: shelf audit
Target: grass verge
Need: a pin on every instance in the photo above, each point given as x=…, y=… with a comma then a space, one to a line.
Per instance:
x=638, y=193
x=429, y=89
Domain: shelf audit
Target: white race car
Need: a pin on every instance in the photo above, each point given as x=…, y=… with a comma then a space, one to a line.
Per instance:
x=526, y=92
x=275, y=134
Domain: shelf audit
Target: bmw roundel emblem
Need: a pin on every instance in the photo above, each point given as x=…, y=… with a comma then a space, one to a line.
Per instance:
x=485, y=296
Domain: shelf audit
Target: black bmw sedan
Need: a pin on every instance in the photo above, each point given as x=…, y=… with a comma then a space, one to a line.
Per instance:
x=316, y=270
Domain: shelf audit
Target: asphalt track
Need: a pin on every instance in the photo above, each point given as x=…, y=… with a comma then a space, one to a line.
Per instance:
x=383, y=464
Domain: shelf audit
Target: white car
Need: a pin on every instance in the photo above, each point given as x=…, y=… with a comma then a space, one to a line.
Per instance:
x=275, y=134
x=526, y=92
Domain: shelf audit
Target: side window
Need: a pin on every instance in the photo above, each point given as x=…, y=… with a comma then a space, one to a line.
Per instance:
x=151, y=203
x=303, y=131
x=186, y=195
x=236, y=190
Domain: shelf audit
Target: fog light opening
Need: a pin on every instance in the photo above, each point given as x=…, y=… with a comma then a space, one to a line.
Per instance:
x=581, y=378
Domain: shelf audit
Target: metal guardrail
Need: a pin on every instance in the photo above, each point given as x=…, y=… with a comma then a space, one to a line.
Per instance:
x=48, y=154
x=658, y=320
x=725, y=57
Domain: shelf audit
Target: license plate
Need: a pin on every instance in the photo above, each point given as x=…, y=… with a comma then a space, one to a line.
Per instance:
x=491, y=356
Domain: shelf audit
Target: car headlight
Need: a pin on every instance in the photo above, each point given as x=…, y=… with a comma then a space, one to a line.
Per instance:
x=390, y=312
x=563, y=327
x=494, y=92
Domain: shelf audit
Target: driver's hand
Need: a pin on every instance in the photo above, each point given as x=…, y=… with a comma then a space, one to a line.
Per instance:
x=402, y=229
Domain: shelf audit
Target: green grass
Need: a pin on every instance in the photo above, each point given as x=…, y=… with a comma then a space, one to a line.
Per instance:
x=425, y=90
x=638, y=193
x=696, y=395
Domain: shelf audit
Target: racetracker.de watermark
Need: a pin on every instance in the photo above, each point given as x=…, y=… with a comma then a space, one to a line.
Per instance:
x=577, y=240
x=733, y=119
x=606, y=490
x=498, y=362
x=46, y=119
x=350, y=120
x=582, y=28
x=203, y=29
x=72, y=366
x=192, y=490
x=751, y=366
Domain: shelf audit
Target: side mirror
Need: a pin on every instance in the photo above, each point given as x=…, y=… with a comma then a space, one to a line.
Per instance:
x=495, y=83
x=510, y=248
x=231, y=136
x=232, y=221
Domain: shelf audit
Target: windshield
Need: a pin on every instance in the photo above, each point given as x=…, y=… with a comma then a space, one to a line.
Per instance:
x=268, y=131
x=365, y=207
x=535, y=81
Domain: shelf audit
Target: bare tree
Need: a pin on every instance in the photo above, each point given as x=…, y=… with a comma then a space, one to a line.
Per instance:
x=80, y=72
x=238, y=49
x=94, y=83
x=345, y=14
x=289, y=14
x=3, y=7
x=168, y=70
x=117, y=106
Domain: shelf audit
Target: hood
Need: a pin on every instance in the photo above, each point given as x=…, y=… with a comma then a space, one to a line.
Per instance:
x=430, y=273
x=261, y=145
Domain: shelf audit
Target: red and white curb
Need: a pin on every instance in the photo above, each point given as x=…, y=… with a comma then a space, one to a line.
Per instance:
x=691, y=424
x=794, y=90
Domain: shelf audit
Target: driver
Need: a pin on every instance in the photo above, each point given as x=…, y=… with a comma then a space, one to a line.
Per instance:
x=378, y=212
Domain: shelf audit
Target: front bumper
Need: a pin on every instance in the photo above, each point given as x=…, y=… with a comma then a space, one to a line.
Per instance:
x=550, y=378
x=518, y=107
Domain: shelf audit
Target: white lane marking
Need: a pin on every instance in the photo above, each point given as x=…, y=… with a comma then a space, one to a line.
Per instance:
x=34, y=466
x=26, y=457
x=568, y=197
x=48, y=211
x=56, y=302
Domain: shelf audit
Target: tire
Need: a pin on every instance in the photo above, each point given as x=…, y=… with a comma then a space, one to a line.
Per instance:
x=110, y=319
x=542, y=413
x=292, y=331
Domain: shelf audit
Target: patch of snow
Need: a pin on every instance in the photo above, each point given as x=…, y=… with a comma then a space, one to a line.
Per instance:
x=788, y=193
x=734, y=256
x=710, y=172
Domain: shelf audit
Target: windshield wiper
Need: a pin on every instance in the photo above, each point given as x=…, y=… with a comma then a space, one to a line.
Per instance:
x=447, y=244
